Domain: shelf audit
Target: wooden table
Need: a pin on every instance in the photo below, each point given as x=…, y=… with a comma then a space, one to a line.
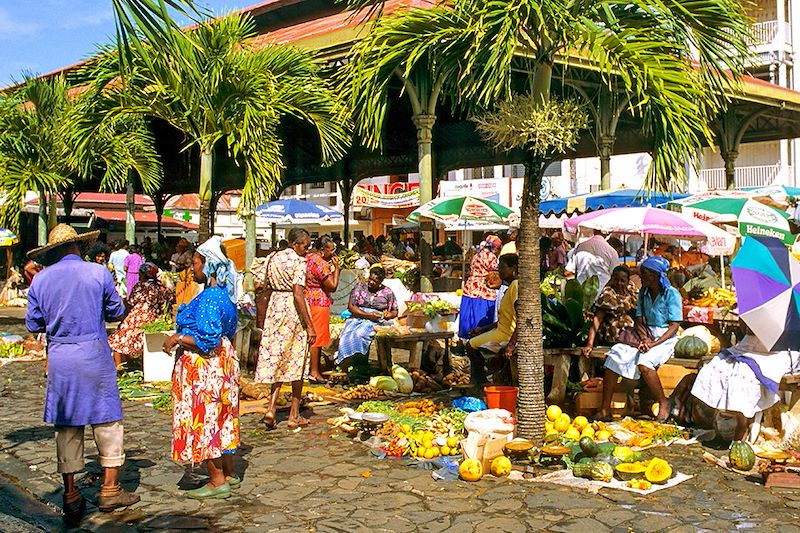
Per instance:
x=409, y=342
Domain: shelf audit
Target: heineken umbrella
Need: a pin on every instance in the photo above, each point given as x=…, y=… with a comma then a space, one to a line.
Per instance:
x=752, y=217
x=767, y=281
x=779, y=194
x=464, y=208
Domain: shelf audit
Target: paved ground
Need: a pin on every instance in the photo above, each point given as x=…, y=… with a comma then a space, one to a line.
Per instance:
x=312, y=481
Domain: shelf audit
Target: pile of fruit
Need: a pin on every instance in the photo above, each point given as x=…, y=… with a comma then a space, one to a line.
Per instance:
x=12, y=350
x=457, y=378
x=648, y=432
x=424, y=383
x=420, y=408
x=559, y=427
x=362, y=392
x=603, y=462
x=714, y=297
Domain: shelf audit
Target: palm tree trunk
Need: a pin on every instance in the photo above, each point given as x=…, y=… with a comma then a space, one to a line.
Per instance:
x=130, y=215
x=530, y=354
x=206, y=167
x=52, y=211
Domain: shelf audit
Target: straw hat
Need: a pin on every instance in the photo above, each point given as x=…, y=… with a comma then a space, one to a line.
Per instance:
x=60, y=235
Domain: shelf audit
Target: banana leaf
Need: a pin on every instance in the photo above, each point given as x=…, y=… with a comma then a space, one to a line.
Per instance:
x=590, y=288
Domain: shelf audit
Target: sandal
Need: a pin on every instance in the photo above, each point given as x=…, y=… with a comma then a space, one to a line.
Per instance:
x=298, y=422
x=269, y=421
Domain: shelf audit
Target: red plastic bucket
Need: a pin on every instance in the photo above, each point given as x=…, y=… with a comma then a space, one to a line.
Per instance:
x=501, y=398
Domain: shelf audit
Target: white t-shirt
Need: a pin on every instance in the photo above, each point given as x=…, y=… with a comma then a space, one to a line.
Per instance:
x=117, y=260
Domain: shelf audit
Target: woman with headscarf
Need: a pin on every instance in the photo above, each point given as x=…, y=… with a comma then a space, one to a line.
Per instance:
x=287, y=331
x=371, y=304
x=657, y=319
x=205, y=382
x=148, y=301
x=478, y=299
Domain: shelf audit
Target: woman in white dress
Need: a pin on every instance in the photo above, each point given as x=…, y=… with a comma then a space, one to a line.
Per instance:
x=657, y=318
x=744, y=379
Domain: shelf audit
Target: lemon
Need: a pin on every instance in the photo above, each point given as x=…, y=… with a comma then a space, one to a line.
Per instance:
x=445, y=450
x=654, y=409
x=565, y=416
x=588, y=432
x=452, y=442
x=429, y=435
x=428, y=453
x=572, y=433
x=548, y=426
x=561, y=425
x=436, y=452
x=553, y=412
x=427, y=444
x=406, y=428
x=454, y=451
x=580, y=422
x=602, y=435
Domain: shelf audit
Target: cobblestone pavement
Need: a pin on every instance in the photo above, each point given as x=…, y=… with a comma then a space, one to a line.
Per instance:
x=312, y=481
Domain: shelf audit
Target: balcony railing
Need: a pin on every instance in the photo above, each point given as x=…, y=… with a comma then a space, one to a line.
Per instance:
x=767, y=34
x=757, y=176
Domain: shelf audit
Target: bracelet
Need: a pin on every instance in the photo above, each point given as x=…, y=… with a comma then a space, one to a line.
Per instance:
x=180, y=340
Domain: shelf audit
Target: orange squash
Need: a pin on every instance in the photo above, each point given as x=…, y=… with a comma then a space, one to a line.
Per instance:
x=658, y=471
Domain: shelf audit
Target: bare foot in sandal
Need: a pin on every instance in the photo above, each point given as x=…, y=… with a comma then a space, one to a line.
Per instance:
x=298, y=422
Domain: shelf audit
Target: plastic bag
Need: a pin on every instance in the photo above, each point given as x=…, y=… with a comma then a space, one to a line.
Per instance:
x=469, y=404
x=490, y=422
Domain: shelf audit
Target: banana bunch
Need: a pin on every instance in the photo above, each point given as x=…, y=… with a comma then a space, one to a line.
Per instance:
x=714, y=297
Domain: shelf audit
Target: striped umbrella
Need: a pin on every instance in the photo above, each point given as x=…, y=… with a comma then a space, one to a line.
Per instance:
x=767, y=280
x=654, y=222
x=463, y=208
x=752, y=217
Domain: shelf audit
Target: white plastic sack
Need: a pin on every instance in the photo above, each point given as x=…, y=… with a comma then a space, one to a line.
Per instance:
x=495, y=422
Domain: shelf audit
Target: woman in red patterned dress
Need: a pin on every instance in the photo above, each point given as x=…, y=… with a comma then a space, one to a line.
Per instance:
x=322, y=280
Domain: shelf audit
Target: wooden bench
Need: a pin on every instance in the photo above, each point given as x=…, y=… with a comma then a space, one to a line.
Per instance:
x=561, y=360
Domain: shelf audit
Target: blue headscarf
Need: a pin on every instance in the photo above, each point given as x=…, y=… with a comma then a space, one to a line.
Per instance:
x=219, y=266
x=661, y=266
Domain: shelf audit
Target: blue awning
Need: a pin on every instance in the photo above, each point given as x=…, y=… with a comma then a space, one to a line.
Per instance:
x=583, y=203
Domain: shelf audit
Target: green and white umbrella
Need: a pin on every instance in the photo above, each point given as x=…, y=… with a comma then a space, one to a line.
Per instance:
x=752, y=217
x=464, y=209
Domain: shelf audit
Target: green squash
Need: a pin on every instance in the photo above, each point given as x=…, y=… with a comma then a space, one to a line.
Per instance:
x=742, y=456
x=598, y=471
x=691, y=347
x=588, y=446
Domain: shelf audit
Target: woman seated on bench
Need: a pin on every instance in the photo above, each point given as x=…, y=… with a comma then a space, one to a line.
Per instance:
x=650, y=344
x=371, y=304
x=498, y=335
x=742, y=379
x=613, y=309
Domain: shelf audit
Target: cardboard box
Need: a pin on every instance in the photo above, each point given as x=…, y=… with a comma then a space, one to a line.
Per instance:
x=588, y=403
x=671, y=375
x=484, y=448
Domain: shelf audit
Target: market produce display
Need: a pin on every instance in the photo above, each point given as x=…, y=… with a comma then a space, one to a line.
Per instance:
x=716, y=297
x=132, y=387
x=12, y=350
x=432, y=308
x=691, y=349
x=164, y=323
x=457, y=378
x=362, y=392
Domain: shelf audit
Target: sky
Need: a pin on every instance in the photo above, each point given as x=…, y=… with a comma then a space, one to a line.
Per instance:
x=40, y=36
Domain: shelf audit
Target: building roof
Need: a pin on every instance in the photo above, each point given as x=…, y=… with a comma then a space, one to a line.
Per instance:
x=144, y=218
x=192, y=201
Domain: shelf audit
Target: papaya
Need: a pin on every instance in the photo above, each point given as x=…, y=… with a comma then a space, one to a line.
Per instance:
x=658, y=471
x=629, y=471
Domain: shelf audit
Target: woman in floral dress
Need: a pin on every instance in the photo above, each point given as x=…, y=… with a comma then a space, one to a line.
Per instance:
x=613, y=310
x=205, y=382
x=478, y=300
x=287, y=331
x=149, y=300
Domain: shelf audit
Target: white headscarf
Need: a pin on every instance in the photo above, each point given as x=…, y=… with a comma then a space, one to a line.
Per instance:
x=219, y=266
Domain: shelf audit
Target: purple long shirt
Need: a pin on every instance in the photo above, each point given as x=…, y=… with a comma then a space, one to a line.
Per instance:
x=71, y=301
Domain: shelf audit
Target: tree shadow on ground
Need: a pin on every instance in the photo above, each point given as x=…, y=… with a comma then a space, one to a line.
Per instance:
x=30, y=434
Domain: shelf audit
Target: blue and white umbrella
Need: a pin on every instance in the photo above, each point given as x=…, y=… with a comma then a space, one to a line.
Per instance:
x=296, y=212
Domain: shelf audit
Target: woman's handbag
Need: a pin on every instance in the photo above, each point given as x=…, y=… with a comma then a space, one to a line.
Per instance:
x=631, y=337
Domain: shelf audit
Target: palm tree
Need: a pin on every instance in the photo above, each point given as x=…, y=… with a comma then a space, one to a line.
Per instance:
x=51, y=138
x=669, y=59
x=212, y=85
x=147, y=19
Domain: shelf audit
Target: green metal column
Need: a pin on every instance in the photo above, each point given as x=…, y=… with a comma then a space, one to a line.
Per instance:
x=249, y=250
x=130, y=220
x=424, y=124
